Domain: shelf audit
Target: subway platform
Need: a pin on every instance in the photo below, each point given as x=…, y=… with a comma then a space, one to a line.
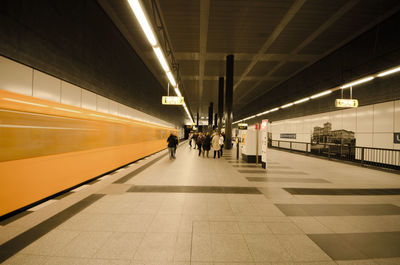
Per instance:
x=198, y=210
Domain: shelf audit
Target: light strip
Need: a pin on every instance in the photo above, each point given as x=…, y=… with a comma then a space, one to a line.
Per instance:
x=171, y=79
x=178, y=93
x=161, y=58
x=67, y=110
x=274, y=109
x=141, y=17
x=360, y=81
x=321, y=94
x=287, y=105
x=388, y=72
x=301, y=100
x=25, y=102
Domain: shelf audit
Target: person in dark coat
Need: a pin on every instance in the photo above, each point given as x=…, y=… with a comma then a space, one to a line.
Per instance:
x=207, y=144
x=199, y=142
x=172, y=142
x=195, y=135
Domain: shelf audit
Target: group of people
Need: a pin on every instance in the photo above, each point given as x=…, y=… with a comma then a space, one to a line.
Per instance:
x=206, y=142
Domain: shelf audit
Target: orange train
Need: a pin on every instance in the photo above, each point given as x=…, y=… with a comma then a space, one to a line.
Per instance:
x=47, y=147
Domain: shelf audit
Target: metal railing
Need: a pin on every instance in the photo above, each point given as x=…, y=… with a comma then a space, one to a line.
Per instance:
x=380, y=157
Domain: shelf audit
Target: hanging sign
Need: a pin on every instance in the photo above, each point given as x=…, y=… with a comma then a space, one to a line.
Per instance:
x=242, y=126
x=167, y=100
x=346, y=103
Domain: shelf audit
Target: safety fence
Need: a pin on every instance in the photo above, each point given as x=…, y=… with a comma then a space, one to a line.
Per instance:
x=380, y=157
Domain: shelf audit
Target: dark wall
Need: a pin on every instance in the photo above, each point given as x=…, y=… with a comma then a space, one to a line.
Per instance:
x=375, y=50
x=75, y=40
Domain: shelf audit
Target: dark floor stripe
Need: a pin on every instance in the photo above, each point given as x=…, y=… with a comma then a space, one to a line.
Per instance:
x=140, y=169
x=308, y=191
x=14, y=218
x=292, y=180
x=195, y=189
x=19, y=242
x=252, y=171
x=250, y=166
x=352, y=246
x=338, y=209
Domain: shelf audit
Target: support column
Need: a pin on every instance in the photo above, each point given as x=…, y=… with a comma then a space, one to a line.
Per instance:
x=215, y=121
x=228, y=101
x=197, y=120
x=210, y=114
x=220, y=102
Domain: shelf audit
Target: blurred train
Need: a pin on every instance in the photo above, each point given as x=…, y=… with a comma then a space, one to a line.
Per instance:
x=47, y=147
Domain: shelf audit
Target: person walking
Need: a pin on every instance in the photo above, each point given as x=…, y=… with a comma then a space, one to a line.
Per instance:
x=221, y=143
x=172, y=145
x=176, y=143
x=190, y=139
x=215, y=144
x=195, y=135
x=199, y=142
x=207, y=143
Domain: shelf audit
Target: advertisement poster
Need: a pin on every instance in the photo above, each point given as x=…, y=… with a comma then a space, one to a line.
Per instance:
x=264, y=143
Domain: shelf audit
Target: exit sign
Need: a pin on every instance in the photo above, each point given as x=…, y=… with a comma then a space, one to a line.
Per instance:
x=346, y=103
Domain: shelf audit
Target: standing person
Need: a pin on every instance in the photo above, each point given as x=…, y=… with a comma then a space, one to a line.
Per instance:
x=190, y=139
x=176, y=143
x=171, y=146
x=199, y=142
x=215, y=144
x=195, y=135
x=207, y=143
x=221, y=142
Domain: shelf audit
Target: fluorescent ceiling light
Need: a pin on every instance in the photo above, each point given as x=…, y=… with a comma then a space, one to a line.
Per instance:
x=287, y=105
x=388, y=72
x=321, y=94
x=275, y=109
x=301, y=100
x=178, y=92
x=25, y=102
x=141, y=17
x=360, y=81
x=171, y=79
x=70, y=110
x=161, y=58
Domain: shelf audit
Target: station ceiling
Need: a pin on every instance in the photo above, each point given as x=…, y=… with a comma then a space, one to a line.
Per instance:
x=271, y=40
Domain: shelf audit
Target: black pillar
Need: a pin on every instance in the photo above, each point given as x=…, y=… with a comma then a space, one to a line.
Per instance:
x=210, y=114
x=197, y=120
x=220, y=102
x=228, y=101
x=215, y=120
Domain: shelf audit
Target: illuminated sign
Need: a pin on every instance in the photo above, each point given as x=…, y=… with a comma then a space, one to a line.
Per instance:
x=288, y=135
x=346, y=103
x=166, y=100
x=242, y=126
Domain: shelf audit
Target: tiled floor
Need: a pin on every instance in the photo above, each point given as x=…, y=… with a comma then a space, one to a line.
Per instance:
x=195, y=210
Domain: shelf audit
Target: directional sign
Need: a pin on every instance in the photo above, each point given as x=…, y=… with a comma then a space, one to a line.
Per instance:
x=242, y=126
x=166, y=100
x=346, y=103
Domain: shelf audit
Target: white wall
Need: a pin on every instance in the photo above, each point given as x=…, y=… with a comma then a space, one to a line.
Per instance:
x=21, y=79
x=373, y=125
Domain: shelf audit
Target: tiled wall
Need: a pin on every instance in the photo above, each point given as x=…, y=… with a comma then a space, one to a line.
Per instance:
x=373, y=125
x=18, y=78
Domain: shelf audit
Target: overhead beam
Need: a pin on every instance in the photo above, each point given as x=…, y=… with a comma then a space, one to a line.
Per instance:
x=194, y=56
x=295, y=7
x=204, y=16
x=338, y=14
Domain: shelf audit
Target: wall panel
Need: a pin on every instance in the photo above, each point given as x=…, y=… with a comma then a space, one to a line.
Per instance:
x=71, y=94
x=15, y=77
x=46, y=86
x=384, y=117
